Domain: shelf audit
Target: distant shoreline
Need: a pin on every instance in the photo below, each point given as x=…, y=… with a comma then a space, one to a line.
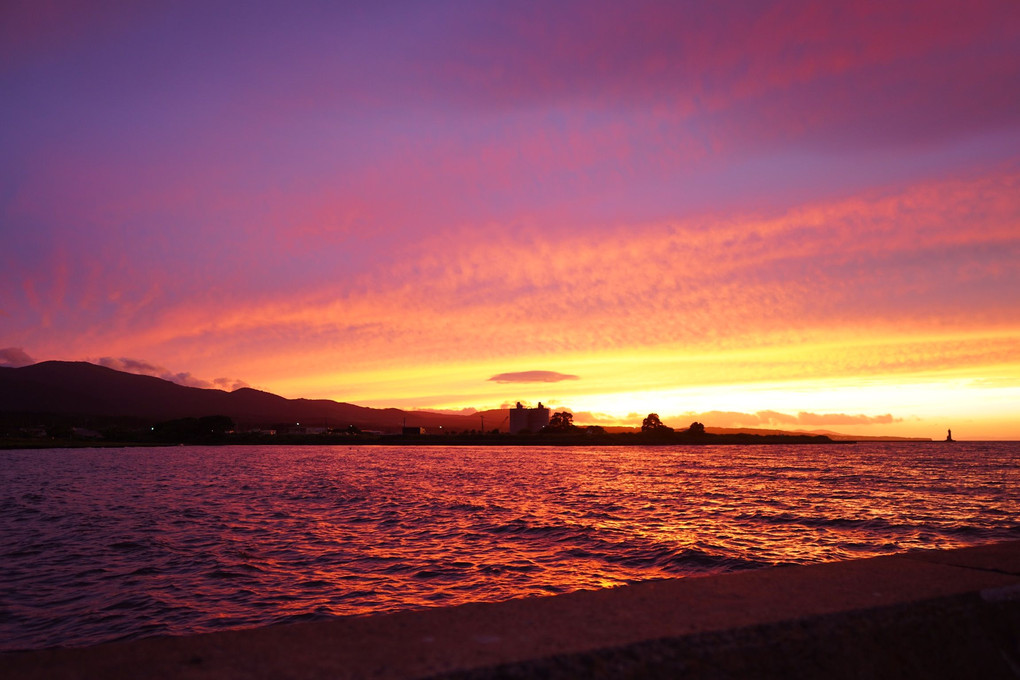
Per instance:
x=78, y=404
x=505, y=440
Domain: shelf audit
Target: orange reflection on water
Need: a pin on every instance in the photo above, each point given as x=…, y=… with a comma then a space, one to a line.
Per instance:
x=192, y=539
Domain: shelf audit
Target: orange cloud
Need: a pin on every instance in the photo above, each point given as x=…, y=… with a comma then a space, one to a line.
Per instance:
x=775, y=418
x=846, y=285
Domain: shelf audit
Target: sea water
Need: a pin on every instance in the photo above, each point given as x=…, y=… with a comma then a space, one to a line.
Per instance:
x=107, y=544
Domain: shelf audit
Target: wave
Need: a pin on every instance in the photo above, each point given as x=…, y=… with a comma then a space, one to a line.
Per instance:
x=862, y=523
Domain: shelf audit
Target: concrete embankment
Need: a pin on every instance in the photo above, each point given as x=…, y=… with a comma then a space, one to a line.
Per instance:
x=928, y=614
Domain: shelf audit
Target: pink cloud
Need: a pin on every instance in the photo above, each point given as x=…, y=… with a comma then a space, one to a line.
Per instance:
x=181, y=378
x=14, y=357
x=805, y=418
x=686, y=59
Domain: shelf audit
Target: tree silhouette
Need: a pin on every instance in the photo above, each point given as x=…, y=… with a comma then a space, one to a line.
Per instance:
x=651, y=423
x=561, y=422
x=696, y=428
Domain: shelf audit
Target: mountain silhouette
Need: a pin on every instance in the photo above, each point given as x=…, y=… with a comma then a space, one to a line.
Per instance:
x=80, y=393
x=78, y=388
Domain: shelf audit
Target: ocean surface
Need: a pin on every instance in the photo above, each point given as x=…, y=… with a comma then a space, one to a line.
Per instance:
x=109, y=544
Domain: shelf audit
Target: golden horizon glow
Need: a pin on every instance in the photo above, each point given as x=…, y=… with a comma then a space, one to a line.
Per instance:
x=967, y=385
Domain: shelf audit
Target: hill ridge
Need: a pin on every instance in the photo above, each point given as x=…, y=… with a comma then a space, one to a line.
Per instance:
x=80, y=388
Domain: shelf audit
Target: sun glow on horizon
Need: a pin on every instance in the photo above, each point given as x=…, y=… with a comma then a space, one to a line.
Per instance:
x=915, y=386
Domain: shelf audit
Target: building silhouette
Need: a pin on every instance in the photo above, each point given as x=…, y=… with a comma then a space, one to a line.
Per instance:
x=528, y=419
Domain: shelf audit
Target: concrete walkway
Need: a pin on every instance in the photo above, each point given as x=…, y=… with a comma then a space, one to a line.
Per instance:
x=930, y=614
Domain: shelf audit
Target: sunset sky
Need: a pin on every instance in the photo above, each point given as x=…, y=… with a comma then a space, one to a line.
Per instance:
x=802, y=215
